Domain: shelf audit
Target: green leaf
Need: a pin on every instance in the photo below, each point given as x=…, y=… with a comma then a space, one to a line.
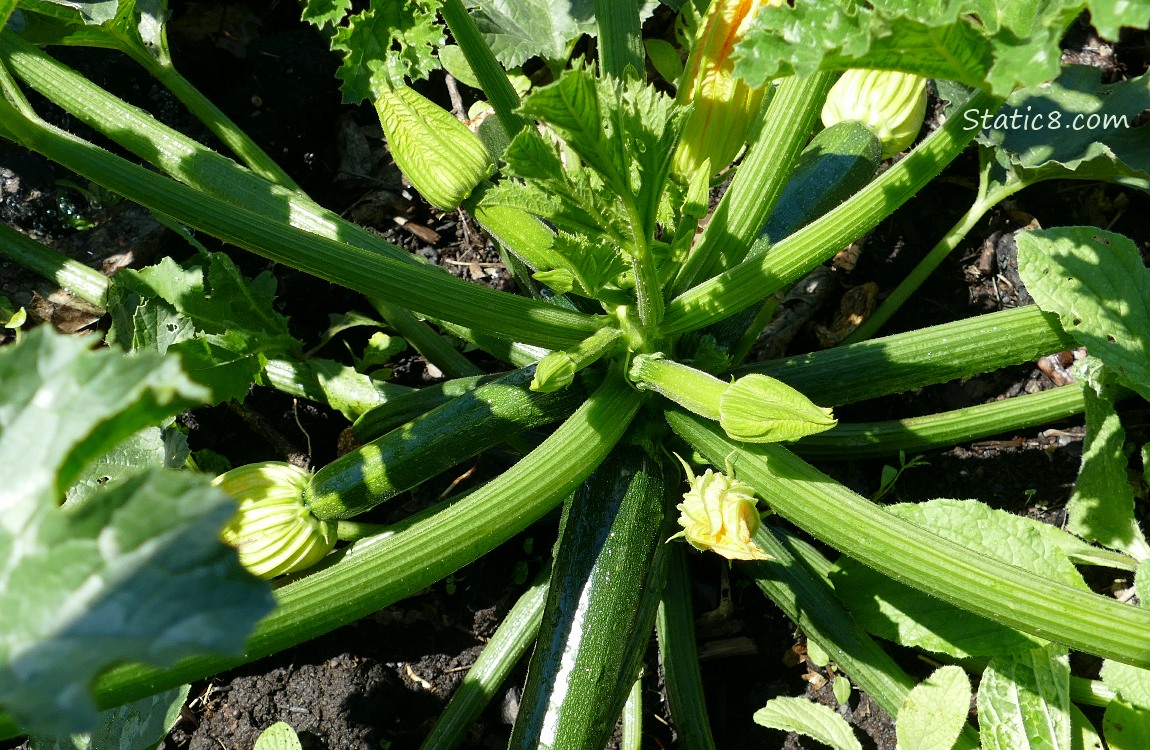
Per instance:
x=386, y=45
x=166, y=448
x=1096, y=283
x=894, y=611
x=108, y=580
x=810, y=719
x=223, y=326
x=279, y=736
x=935, y=711
x=1024, y=701
x=1101, y=508
x=140, y=725
x=325, y=12
x=518, y=30
x=1074, y=127
x=1126, y=727
x=1131, y=683
x=995, y=44
x=92, y=11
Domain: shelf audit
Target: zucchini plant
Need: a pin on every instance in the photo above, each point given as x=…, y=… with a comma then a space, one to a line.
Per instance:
x=641, y=303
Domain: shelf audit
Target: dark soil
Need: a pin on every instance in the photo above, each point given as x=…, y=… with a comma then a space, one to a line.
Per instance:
x=382, y=681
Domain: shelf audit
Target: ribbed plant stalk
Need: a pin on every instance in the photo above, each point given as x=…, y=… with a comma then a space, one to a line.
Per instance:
x=415, y=553
x=85, y=283
x=914, y=359
x=759, y=180
x=492, y=78
x=427, y=342
x=675, y=626
x=417, y=288
x=632, y=719
x=510, y=643
x=866, y=439
x=620, y=39
x=195, y=165
x=810, y=602
x=751, y=282
x=923, y=560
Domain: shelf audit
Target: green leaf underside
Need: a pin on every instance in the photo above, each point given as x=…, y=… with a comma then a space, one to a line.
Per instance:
x=933, y=714
x=279, y=736
x=140, y=725
x=1024, y=701
x=1126, y=727
x=385, y=45
x=1074, y=127
x=1095, y=282
x=167, y=448
x=223, y=326
x=1131, y=683
x=814, y=720
x=896, y=612
x=518, y=30
x=1101, y=507
x=1016, y=43
x=108, y=580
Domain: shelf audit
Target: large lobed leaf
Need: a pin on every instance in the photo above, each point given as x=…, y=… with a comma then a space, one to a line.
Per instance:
x=136, y=571
x=995, y=44
x=1097, y=284
x=1074, y=127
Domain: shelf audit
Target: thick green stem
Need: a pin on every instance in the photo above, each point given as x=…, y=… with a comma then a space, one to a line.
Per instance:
x=905, y=361
x=806, y=597
x=923, y=560
x=620, y=39
x=417, y=552
x=933, y=259
x=851, y=441
x=759, y=180
x=690, y=388
x=195, y=165
x=675, y=625
x=632, y=719
x=750, y=282
x=86, y=283
x=492, y=78
x=417, y=288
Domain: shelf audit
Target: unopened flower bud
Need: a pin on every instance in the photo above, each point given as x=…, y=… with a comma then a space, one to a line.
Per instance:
x=441, y=158
x=273, y=530
x=890, y=103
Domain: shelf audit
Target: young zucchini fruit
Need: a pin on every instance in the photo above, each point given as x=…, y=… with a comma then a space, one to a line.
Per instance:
x=605, y=587
x=836, y=164
x=434, y=442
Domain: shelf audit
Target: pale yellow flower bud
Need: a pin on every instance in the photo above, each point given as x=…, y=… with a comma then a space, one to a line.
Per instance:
x=890, y=103
x=273, y=530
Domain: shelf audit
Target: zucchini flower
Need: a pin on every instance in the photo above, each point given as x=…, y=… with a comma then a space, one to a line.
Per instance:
x=719, y=513
x=725, y=106
x=273, y=530
x=441, y=158
x=890, y=103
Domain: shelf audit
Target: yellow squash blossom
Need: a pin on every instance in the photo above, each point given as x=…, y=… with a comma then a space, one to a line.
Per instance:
x=719, y=513
x=725, y=106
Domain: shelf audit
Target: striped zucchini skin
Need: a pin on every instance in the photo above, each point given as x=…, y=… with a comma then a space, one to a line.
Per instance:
x=605, y=588
x=435, y=441
x=400, y=410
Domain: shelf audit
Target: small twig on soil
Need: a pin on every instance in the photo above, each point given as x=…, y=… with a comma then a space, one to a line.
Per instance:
x=457, y=107
x=262, y=427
